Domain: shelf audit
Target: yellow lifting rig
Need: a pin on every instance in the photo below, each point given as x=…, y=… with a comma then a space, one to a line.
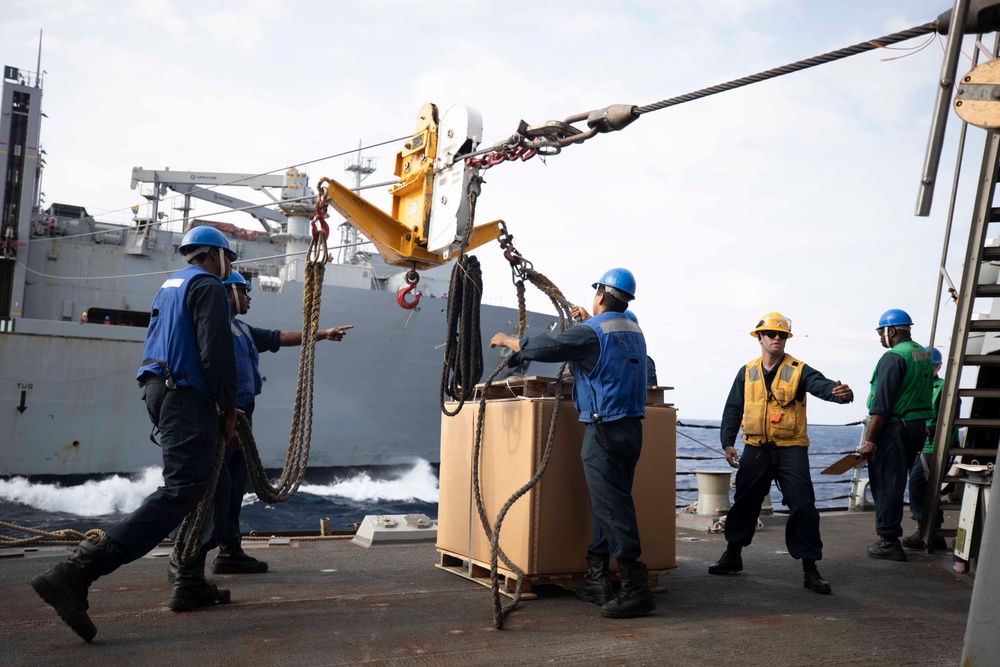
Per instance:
x=432, y=205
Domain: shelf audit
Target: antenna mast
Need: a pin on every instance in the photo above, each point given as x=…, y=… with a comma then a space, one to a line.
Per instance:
x=38, y=67
x=362, y=167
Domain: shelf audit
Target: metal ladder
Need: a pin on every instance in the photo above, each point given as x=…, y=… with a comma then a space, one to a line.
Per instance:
x=983, y=424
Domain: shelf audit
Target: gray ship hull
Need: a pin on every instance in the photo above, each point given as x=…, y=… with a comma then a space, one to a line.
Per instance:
x=376, y=395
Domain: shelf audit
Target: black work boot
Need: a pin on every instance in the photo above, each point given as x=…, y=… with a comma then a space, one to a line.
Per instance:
x=813, y=580
x=193, y=590
x=65, y=585
x=233, y=560
x=915, y=541
x=634, y=598
x=598, y=587
x=887, y=548
x=172, y=568
x=731, y=561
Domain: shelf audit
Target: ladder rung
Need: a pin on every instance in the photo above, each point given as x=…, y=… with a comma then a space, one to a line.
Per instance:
x=971, y=451
x=982, y=359
x=950, y=506
x=984, y=325
x=978, y=422
x=979, y=393
x=991, y=253
x=945, y=532
x=988, y=290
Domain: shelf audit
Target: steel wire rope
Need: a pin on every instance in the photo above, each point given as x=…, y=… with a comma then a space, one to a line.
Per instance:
x=797, y=66
x=506, y=149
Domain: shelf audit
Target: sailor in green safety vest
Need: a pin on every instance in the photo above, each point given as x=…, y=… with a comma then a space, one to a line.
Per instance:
x=899, y=406
x=918, y=474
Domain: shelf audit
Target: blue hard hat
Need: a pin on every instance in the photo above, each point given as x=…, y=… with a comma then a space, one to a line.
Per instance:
x=619, y=279
x=235, y=278
x=629, y=314
x=206, y=236
x=936, y=357
x=894, y=318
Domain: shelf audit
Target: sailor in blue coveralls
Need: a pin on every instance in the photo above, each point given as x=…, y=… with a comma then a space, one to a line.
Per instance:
x=608, y=352
x=188, y=376
x=247, y=341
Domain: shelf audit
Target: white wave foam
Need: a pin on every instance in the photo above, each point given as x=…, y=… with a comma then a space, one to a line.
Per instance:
x=122, y=495
x=418, y=483
x=96, y=498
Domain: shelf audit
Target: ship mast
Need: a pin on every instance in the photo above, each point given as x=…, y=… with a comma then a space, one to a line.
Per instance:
x=362, y=167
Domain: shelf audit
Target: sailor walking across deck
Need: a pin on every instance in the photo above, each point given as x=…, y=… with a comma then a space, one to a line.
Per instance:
x=188, y=335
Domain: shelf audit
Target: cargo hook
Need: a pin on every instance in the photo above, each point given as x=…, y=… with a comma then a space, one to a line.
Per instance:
x=412, y=278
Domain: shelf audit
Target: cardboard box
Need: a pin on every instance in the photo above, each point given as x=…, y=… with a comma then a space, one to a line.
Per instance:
x=547, y=530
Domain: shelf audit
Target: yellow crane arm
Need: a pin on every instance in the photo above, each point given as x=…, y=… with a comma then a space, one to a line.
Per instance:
x=430, y=202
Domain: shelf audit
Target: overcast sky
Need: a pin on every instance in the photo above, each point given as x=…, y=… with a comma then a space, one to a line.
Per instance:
x=794, y=195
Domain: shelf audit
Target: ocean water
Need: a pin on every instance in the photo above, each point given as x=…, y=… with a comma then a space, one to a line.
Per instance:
x=346, y=496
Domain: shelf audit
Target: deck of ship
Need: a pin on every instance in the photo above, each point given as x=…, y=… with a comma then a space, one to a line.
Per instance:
x=332, y=603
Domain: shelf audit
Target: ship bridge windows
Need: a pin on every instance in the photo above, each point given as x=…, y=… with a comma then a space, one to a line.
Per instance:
x=120, y=318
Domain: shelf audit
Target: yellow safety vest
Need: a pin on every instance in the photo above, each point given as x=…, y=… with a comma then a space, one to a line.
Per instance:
x=774, y=416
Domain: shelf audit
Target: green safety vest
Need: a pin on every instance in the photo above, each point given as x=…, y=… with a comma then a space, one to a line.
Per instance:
x=914, y=400
x=935, y=401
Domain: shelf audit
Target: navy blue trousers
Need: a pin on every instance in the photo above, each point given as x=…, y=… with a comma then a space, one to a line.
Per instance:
x=896, y=447
x=229, y=497
x=188, y=426
x=610, y=452
x=790, y=468
x=229, y=493
x=918, y=488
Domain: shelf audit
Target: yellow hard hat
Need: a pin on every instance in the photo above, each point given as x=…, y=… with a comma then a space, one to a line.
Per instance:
x=773, y=322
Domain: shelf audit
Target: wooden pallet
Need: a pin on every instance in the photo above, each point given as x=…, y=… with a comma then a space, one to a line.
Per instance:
x=544, y=387
x=479, y=572
x=526, y=387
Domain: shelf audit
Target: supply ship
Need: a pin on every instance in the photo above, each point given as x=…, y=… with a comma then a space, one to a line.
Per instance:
x=74, y=305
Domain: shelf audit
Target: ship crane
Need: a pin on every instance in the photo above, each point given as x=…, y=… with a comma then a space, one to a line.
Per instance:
x=203, y=185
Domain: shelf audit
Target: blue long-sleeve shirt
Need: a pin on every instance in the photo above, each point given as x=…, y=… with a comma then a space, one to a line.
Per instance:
x=580, y=345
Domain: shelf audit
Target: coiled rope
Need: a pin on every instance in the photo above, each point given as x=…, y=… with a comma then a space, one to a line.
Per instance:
x=463, y=353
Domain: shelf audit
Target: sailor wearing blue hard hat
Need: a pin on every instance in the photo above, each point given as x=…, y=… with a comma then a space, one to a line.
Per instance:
x=609, y=390
x=188, y=377
x=899, y=405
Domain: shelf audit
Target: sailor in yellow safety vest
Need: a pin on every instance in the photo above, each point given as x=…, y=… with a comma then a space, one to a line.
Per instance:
x=769, y=397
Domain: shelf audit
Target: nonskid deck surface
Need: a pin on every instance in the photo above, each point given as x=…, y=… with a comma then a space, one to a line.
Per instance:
x=332, y=603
